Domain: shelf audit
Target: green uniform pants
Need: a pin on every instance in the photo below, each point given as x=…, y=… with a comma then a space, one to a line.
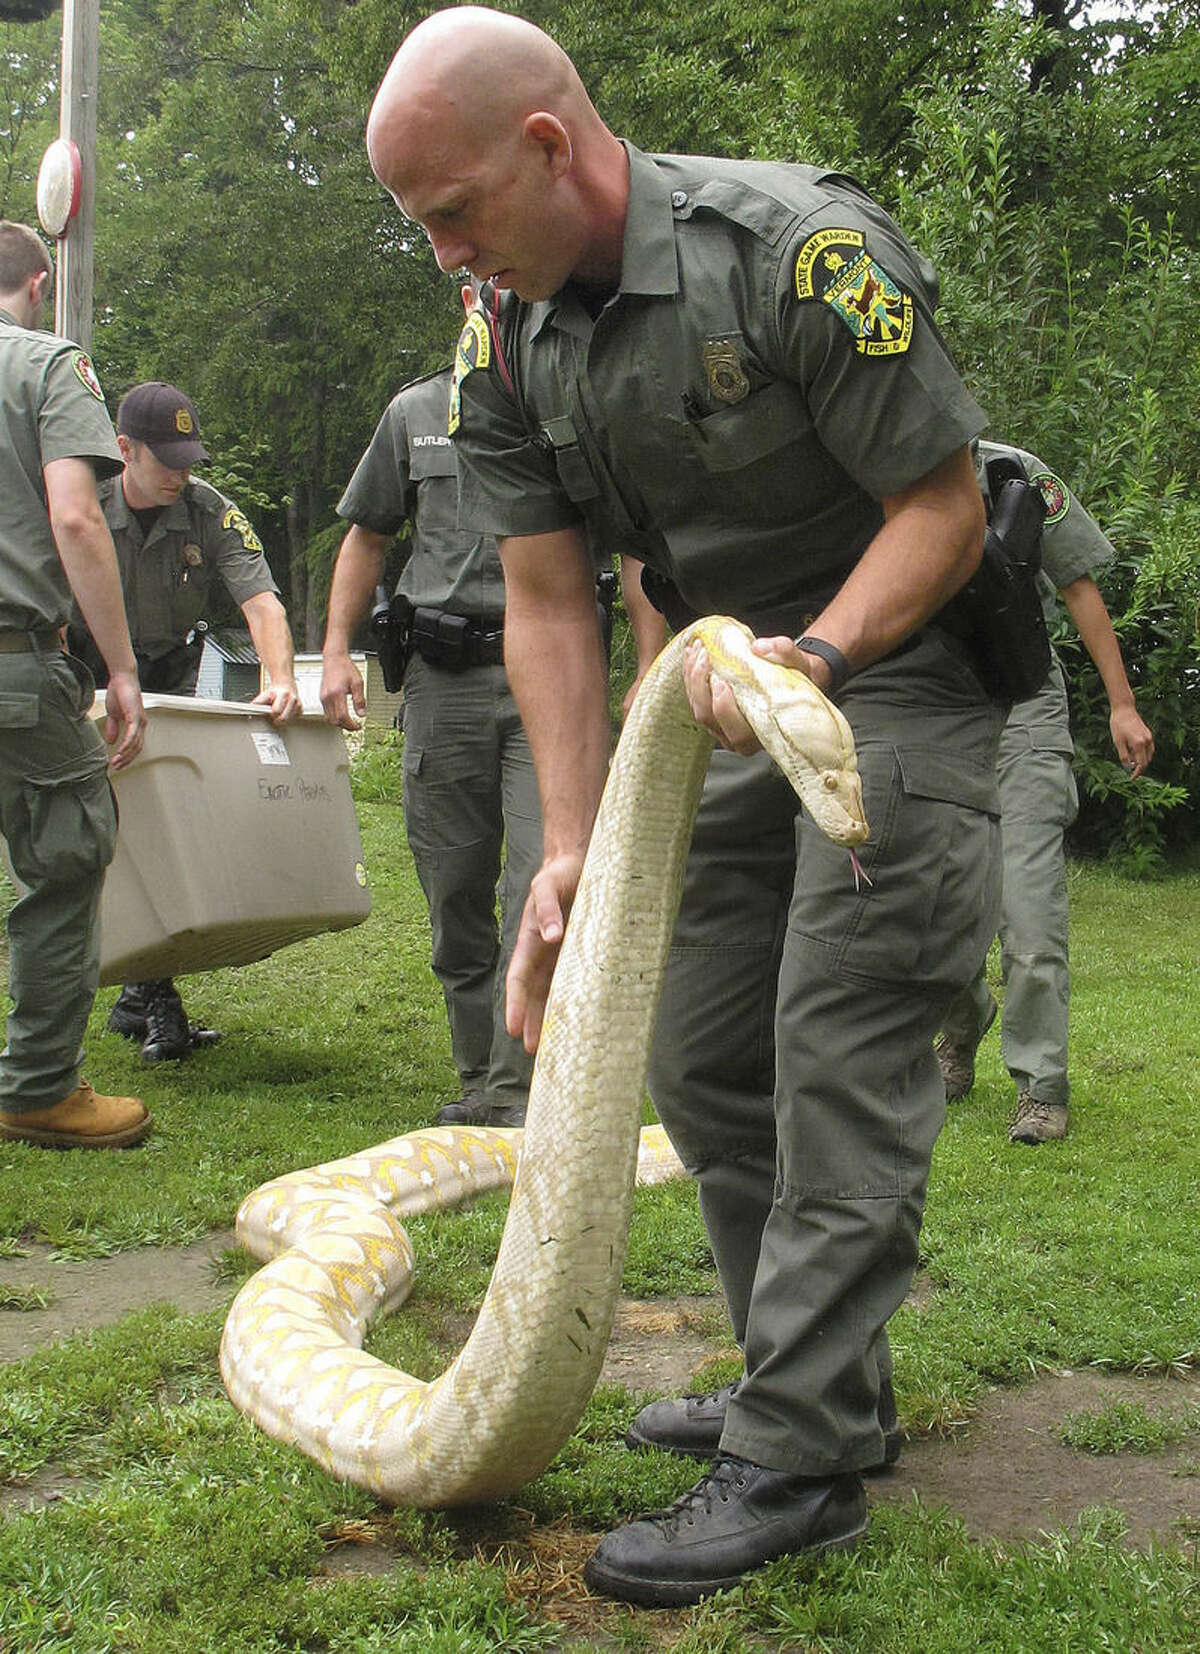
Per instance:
x=473, y=817
x=1038, y=801
x=793, y=1063
x=59, y=821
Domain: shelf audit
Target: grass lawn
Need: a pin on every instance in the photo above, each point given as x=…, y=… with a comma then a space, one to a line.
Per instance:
x=186, y=1530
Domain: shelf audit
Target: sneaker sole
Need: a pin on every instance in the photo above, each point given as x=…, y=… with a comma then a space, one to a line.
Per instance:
x=682, y=1593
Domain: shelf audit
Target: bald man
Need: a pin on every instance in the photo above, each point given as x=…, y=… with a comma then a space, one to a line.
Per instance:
x=734, y=368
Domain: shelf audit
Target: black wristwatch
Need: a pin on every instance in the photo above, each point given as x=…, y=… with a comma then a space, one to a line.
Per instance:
x=839, y=667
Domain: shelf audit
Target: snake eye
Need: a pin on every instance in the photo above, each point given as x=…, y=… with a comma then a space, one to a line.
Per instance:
x=829, y=780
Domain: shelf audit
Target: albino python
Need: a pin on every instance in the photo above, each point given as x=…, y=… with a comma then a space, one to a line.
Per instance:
x=290, y=1353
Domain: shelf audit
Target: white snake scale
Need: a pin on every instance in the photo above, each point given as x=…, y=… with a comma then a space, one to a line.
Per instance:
x=290, y=1354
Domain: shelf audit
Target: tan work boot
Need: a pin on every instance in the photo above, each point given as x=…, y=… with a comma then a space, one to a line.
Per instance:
x=84, y=1120
x=1037, y=1122
x=957, y=1062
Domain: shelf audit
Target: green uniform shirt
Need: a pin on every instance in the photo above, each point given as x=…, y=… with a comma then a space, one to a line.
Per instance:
x=51, y=407
x=767, y=373
x=166, y=577
x=409, y=475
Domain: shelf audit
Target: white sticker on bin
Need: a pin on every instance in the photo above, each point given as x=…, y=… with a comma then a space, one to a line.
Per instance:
x=270, y=747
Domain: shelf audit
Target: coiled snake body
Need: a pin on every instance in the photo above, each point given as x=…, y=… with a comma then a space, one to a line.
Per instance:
x=290, y=1353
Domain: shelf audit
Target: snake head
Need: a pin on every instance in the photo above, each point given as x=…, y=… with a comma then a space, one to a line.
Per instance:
x=800, y=727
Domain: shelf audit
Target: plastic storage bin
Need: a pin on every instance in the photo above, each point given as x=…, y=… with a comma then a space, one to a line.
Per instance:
x=237, y=837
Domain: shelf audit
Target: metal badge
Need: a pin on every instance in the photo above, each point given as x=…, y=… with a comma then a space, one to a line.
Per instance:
x=723, y=364
x=193, y=556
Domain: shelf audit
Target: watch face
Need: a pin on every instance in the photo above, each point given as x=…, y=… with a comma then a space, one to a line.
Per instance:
x=59, y=185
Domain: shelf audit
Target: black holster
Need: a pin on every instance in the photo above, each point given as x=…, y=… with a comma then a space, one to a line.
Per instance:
x=391, y=631
x=998, y=614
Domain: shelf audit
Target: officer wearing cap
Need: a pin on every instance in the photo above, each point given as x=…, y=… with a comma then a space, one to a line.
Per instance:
x=57, y=813
x=736, y=363
x=1038, y=801
x=175, y=536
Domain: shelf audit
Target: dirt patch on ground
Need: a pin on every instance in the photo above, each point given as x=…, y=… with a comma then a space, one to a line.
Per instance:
x=1005, y=1473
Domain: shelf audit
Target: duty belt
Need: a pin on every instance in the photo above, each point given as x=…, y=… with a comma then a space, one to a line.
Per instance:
x=454, y=642
x=22, y=643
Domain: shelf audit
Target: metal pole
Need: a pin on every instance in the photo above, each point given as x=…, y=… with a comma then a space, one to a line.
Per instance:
x=77, y=121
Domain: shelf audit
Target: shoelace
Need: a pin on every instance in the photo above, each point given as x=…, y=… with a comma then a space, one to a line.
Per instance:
x=725, y=1476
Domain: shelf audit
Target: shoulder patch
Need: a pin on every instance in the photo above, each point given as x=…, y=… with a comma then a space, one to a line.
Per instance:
x=234, y=519
x=834, y=266
x=474, y=350
x=1056, y=495
x=86, y=374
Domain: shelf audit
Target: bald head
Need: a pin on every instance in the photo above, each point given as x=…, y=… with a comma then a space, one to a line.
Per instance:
x=482, y=117
x=475, y=68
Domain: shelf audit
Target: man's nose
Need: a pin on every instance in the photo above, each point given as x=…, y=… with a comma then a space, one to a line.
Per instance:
x=452, y=252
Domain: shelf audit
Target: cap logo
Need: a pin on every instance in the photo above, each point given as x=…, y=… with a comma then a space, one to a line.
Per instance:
x=183, y=422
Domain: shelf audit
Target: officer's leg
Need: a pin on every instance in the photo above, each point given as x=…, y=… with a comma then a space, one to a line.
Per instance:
x=452, y=813
x=865, y=979
x=59, y=821
x=1038, y=802
x=712, y=1064
x=511, y=1065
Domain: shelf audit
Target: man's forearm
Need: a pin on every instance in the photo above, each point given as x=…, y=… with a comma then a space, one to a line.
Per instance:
x=271, y=636
x=556, y=666
x=357, y=572
x=928, y=548
x=1094, y=625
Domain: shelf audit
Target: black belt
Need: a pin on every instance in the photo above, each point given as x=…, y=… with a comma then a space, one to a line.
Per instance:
x=22, y=643
x=455, y=642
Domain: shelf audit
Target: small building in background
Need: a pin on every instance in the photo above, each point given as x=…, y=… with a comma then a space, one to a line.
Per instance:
x=229, y=669
x=382, y=708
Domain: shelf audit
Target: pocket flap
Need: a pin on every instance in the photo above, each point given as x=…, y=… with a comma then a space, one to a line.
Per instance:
x=18, y=711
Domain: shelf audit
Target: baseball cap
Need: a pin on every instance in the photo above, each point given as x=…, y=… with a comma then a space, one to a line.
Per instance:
x=166, y=421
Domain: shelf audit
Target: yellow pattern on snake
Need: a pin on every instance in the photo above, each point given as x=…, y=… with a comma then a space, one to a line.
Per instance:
x=291, y=1354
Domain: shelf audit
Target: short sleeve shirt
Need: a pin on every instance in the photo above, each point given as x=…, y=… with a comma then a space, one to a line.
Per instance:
x=409, y=477
x=768, y=372
x=51, y=407
x=167, y=575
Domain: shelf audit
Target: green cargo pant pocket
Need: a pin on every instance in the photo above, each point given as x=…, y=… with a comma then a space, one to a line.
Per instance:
x=71, y=822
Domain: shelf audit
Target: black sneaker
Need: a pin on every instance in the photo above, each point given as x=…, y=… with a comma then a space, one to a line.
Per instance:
x=168, y=1036
x=475, y=1110
x=692, y=1426
x=737, y=1518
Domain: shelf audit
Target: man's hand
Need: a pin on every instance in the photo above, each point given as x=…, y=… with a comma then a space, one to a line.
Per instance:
x=282, y=700
x=341, y=687
x=543, y=923
x=1132, y=739
x=712, y=701
x=125, y=718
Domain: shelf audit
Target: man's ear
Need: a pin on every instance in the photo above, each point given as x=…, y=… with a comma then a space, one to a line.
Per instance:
x=552, y=138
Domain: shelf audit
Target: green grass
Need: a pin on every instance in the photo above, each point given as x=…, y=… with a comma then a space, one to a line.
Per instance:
x=180, y=1529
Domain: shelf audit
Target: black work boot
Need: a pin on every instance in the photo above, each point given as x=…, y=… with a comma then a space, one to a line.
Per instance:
x=168, y=1037
x=128, y=1015
x=737, y=1517
x=692, y=1425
